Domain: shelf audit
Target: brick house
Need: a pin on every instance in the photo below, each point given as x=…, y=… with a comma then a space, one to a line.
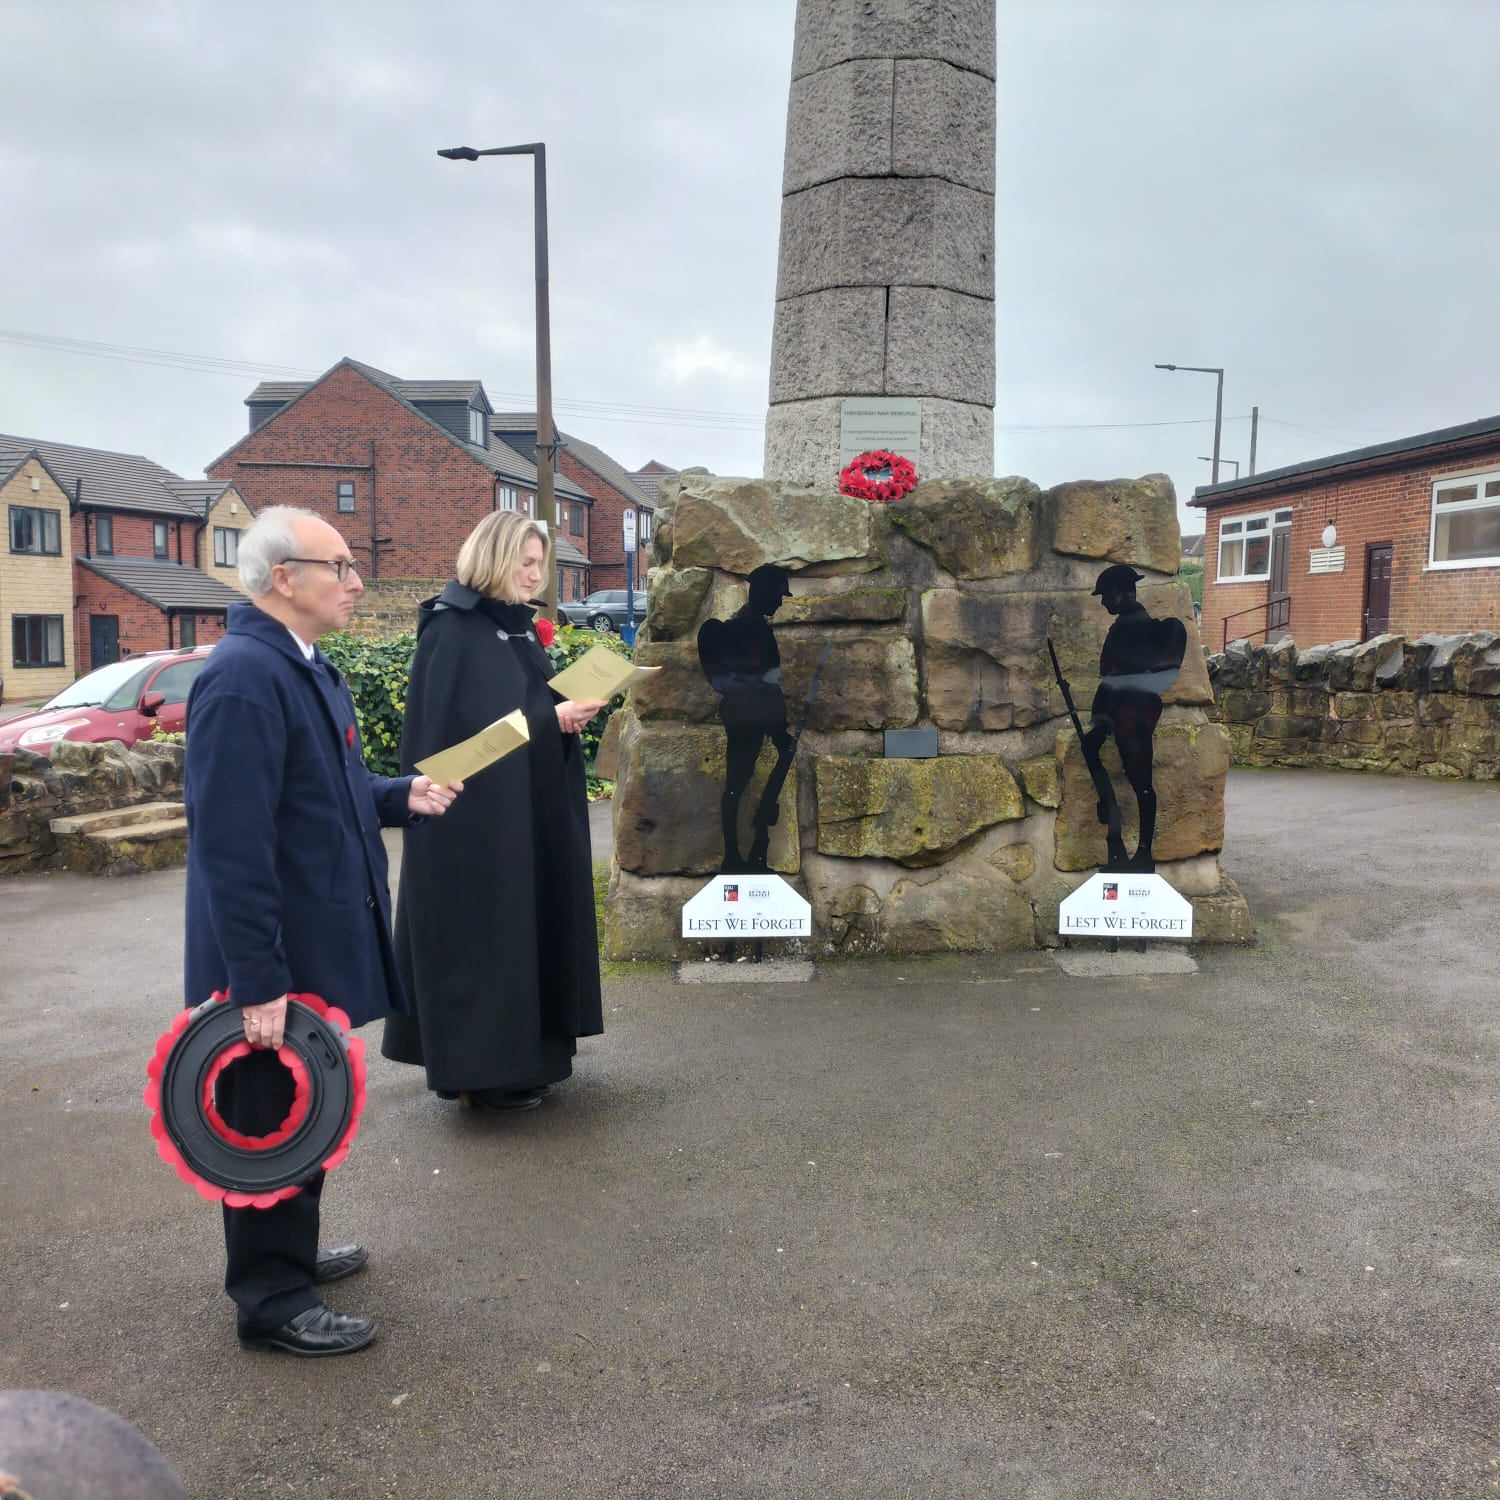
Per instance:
x=1414, y=544
x=108, y=554
x=613, y=492
x=404, y=468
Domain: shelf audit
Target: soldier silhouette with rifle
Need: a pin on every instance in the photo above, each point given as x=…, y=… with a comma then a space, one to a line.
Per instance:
x=743, y=665
x=1139, y=661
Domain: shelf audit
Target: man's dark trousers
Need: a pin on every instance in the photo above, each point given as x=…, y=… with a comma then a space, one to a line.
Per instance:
x=272, y=1252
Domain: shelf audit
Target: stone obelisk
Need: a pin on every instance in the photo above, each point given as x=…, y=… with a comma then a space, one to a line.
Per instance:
x=886, y=283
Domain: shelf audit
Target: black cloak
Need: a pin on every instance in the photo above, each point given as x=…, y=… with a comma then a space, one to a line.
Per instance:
x=495, y=935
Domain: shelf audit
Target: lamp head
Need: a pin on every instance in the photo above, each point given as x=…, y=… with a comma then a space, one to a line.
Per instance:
x=460, y=153
x=1166, y=367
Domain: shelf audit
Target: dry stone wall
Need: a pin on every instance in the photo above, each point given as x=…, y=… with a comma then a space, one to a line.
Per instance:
x=938, y=610
x=1429, y=707
x=78, y=779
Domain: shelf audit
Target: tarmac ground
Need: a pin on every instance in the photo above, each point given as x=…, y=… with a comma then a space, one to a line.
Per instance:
x=956, y=1226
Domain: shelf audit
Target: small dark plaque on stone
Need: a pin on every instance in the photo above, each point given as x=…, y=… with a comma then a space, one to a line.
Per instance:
x=911, y=744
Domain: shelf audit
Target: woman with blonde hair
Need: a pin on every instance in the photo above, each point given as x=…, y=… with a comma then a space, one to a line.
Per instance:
x=495, y=934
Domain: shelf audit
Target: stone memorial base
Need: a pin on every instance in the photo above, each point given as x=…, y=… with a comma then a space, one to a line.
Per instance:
x=939, y=609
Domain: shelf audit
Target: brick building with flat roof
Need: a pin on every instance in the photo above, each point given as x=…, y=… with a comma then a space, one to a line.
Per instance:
x=1400, y=537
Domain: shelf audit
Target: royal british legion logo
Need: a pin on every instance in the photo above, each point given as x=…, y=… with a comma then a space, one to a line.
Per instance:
x=731, y=893
x=1111, y=891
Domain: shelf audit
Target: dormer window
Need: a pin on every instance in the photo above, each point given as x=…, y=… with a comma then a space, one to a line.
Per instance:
x=477, y=431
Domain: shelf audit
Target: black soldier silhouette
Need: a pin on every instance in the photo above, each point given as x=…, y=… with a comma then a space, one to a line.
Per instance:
x=1140, y=660
x=742, y=663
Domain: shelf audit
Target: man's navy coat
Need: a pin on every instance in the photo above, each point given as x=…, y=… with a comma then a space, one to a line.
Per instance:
x=287, y=877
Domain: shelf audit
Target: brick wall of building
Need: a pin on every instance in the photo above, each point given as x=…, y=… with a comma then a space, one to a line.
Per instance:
x=1394, y=506
x=35, y=585
x=428, y=492
x=606, y=540
x=143, y=626
x=134, y=535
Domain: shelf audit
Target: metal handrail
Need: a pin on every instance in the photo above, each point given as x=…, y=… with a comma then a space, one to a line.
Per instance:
x=1265, y=629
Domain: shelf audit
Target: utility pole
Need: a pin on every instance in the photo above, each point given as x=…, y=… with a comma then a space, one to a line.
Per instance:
x=1254, y=428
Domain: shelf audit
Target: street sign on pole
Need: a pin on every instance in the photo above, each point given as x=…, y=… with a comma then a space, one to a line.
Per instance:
x=630, y=531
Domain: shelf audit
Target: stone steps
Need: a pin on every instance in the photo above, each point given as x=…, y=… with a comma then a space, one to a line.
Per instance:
x=123, y=840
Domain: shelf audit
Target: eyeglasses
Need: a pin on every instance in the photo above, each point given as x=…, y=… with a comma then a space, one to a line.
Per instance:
x=342, y=566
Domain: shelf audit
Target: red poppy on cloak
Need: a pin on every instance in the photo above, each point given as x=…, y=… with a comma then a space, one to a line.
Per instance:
x=546, y=631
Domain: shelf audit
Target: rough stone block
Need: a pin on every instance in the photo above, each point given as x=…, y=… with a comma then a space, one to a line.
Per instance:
x=1190, y=765
x=802, y=440
x=679, y=691
x=839, y=123
x=938, y=343
x=673, y=599
x=917, y=812
x=887, y=232
x=986, y=654
x=1118, y=521
x=1042, y=780
x=833, y=31
x=833, y=343
x=975, y=908
x=738, y=524
x=668, y=796
x=1353, y=705
x=974, y=528
x=856, y=605
x=643, y=918
x=943, y=124
x=1223, y=917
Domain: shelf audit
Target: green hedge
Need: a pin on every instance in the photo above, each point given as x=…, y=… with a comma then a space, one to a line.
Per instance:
x=378, y=673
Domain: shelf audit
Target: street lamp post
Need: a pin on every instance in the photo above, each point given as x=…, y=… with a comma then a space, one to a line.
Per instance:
x=546, y=440
x=1218, y=406
x=1203, y=458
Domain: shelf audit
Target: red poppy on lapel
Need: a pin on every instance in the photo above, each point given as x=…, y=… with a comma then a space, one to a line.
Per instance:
x=349, y=735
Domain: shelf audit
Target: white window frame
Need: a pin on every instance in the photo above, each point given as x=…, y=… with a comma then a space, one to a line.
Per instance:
x=226, y=546
x=478, y=428
x=1265, y=522
x=1481, y=501
x=643, y=523
x=507, y=497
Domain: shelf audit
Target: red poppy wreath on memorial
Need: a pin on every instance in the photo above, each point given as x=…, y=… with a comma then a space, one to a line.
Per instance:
x=328, y=1097
x=879, y=475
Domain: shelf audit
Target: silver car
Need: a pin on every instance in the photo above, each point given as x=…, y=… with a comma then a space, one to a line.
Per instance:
x=603, y=610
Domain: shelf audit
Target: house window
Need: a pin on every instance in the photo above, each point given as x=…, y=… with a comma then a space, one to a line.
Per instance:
x=346, y=495
x=1465, y=522
x=38, y=531
x=37, y=640
x=477, y=433
x=575, y=519
x=1245, y=547
x=104, y=535
x=226, y=547
x=159, y=539
x=644, y=522
x=507, y=497
x=187, y=631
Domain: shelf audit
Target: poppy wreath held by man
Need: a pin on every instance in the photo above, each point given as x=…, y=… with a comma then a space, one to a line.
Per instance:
x=878, y=475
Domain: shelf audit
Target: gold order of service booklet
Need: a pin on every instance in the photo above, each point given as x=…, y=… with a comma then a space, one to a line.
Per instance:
x=598, y=674
x=459, y=762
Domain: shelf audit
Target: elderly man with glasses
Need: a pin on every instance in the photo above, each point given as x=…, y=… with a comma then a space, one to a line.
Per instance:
x=286, y=887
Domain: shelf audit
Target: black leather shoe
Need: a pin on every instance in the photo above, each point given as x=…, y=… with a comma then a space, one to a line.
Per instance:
x=341, y=1261
x=501, y=1102
x=314, y=1334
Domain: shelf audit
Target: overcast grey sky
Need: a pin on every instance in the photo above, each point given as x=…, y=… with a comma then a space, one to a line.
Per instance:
x=1298, y=190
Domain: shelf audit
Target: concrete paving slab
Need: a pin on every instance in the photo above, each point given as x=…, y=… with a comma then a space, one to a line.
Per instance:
x=955, y=1226
x=1099, y=963
x=768, y=971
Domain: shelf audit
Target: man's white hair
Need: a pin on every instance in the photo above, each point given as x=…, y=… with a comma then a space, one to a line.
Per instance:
x=269, y=539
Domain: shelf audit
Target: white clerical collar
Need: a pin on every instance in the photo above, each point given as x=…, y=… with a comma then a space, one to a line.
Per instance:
x=302, y=646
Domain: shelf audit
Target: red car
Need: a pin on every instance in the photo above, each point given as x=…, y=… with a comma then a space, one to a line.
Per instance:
x=123, y=701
